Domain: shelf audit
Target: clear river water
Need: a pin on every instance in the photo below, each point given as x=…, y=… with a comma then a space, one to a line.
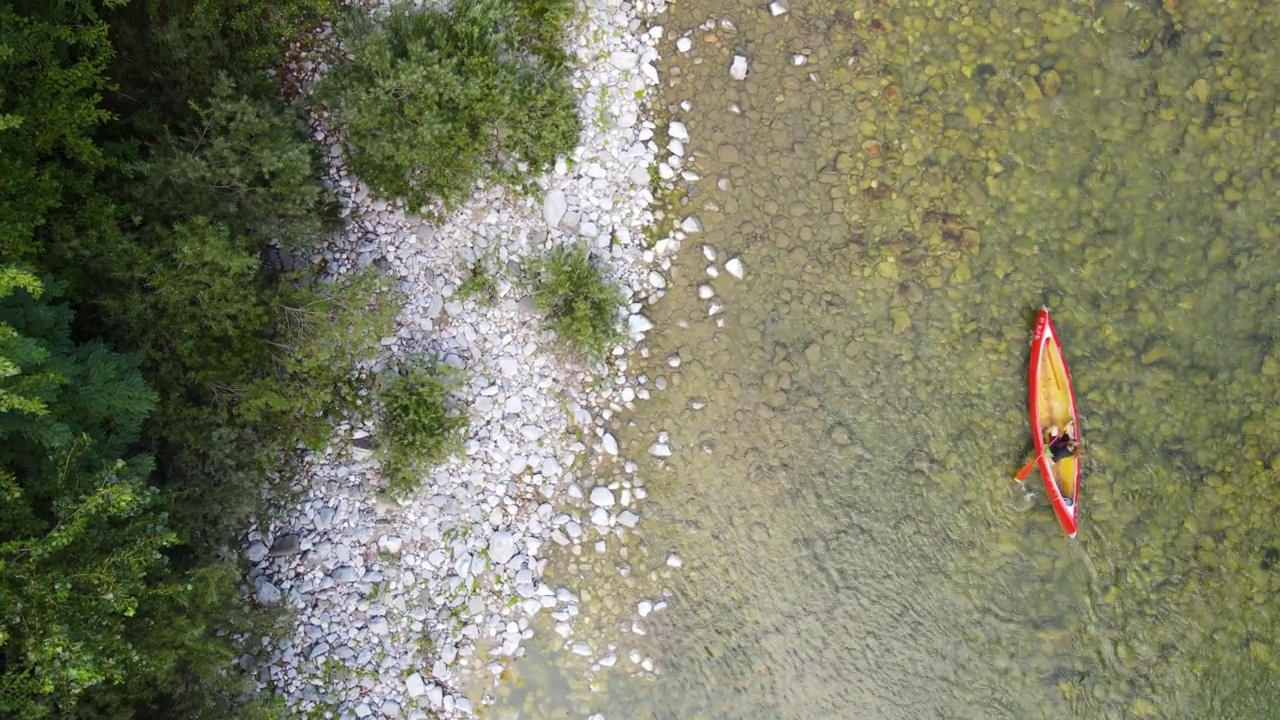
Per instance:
x=906, y=183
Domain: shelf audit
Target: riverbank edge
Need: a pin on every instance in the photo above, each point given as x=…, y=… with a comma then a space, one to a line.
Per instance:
x=393, y=603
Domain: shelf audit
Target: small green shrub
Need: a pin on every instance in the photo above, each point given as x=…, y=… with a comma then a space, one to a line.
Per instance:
x=433, y=101
x=418, y=428
x=479, y=284
x=579, y=302
x=323, y=331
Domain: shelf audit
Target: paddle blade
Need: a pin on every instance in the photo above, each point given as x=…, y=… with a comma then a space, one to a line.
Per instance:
x=1025, y=471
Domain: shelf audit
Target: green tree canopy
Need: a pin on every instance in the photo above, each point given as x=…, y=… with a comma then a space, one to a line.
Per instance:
x=81, y=536
x=53, y=72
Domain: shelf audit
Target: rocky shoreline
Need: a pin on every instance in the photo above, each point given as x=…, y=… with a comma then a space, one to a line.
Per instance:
x=397, y=605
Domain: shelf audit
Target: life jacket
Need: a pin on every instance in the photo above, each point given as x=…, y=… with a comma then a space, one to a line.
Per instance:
x=1060, y=446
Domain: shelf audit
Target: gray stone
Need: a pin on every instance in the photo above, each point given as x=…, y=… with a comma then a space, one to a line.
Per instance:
x=624, y=60
x=286, y=545
x=502, y=547
x=550, y=467
x=324, y=518
x=255, y=552
x=267, y=593
x=600, y=517
x=602, y=496
x=638, y=323
x=554, y=207
x=345, y=574
x=414, y=685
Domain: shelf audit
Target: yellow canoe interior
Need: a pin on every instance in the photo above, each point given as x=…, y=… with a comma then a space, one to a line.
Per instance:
x=1055, y=410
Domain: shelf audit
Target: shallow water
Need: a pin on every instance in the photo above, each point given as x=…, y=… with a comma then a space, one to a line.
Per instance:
x=853, y=544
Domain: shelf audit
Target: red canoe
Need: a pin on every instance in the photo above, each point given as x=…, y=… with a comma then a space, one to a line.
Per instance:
x=1053, y=403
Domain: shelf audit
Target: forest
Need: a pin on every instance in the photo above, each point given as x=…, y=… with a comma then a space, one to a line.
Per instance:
x=161, y=370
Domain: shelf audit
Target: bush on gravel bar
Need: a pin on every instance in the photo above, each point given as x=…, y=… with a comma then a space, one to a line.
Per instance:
x=419, y=429
x=579, y=302
x=430, y=101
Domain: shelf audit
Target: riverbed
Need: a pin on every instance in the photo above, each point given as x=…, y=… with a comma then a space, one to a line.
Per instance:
x=905, y=185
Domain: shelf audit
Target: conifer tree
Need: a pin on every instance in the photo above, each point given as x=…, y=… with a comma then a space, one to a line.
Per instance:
x=81, y=533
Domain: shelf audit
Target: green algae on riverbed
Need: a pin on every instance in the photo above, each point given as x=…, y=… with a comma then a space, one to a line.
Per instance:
x=904, y=200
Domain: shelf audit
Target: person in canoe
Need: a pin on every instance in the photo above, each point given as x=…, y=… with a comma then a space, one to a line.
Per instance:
x=1061, y=443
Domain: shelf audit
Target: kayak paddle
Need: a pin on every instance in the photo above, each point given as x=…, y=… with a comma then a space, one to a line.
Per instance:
x=1024, y=472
